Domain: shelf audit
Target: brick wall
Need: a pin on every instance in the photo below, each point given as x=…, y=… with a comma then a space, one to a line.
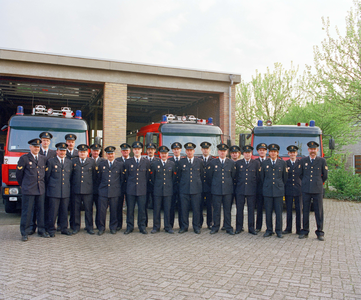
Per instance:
x=114, y=115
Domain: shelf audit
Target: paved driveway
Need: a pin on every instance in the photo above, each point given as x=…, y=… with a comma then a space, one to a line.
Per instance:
x=188, y=266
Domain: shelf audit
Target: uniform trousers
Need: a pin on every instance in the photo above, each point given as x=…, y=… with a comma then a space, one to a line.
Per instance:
x=187, y=201
x=141, y=201
x=120, y=210
x=251, y=202
x=277, y=204
x=157, y=203
x=298, y=208
x=87, y=200
x=102, y=212
x=58, y=207
x=318, y=207
x=176, y=205
x=217, y=201
x=207, y=202
x=96, y=202
x=32, y=205
x=260, y=205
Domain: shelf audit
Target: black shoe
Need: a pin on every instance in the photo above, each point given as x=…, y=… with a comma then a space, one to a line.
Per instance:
x=267, y=234
x=67, y=232
x=209, y=227
x=75, y=231
x=44, y=235
x=197, y=231
x=279, y=235
x=223, y=228
x=154, y=231
x=258, y=230
x=52, y=234
x=303, y=236
x=100, y=232
x=24, y=238
x=237, y=231
x=182, y=230
x=113, y=231
x=213, y=231
x=298, y=232
x=31, y=232
x=58, y=228
x=119, y=228
x=286, y=231
x=90, y=231
x=253, y=232
x=171, y=231
x=321, y=238
x=128, y=231
x=230, y=232
x=143, y=231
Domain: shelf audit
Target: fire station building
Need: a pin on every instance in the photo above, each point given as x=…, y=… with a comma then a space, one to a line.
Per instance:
x=115, y=97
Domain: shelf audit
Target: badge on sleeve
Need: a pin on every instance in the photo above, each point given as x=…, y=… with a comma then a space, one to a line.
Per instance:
x=20, y=167
x=326, y=168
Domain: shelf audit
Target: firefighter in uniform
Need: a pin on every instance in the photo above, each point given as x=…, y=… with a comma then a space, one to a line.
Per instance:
x=84, y=174
x=247, y=177
x=176, y=149
x=151, y=149
x=58, y=173
x=45, y=143
x=220, y=175
x=125, y=149
x=163, y=174
x=206, y=189
x=30, y=173
x=110, y=179
x=235, y=153
x=274, y=177
x=95, y=151
x=293, y=190
x=262, y=152
x=190, y=171
x=313, y=173
x=137, y=175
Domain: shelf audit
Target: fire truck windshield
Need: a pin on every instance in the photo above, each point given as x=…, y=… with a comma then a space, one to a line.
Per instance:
x=18, y=138
x=168, y=140
x=285, y=141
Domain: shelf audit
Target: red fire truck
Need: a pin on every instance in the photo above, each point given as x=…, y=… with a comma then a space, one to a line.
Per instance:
x=181, y=129
x=286, y=135
x=21, y=128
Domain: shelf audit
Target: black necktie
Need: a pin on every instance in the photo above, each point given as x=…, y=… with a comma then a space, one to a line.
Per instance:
x=190, y=161
x=273, y=162
x=163, y=163
x=311, y=160
x=222, y=163
x=293, y=164
x=36, y=159
x=62, y=163
x=137, y=161
x=110, y=164
x=176, y=159
x=44, y=153
x=246, y=162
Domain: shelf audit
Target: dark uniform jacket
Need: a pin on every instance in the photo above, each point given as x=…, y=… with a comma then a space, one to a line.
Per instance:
x=137, y=176
x=58, y=178
x=259, y=185
x=221, y=178
x=83, y=176
x=110, y=179
x=49, y=153
x=96, y=182
x=313, y=175
x=247, y=177
x=206, y=187
x=75, y=154
x=30, y=174
x=293, y=184
x=274, y=178
x=176, y=183
x=163, y=177
x=190, y=176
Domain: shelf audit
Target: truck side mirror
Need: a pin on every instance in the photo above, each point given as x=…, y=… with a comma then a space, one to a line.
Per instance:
x=331, y=144
x=242, y=140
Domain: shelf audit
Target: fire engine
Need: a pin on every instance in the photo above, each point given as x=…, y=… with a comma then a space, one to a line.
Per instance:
x=286, y=135
x=180, y=129
x=21, y=128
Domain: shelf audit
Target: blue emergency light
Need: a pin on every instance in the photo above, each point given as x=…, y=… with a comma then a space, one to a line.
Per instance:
x=312, y=123
x=78, y=114
x=164, y=119
x=259, y=123
x=20, y=111
x=210, y=121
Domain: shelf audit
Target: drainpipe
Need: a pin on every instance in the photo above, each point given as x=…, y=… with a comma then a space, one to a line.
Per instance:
x=230, y=108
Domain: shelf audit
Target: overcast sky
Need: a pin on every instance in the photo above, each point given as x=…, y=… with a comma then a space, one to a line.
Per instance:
x=231, y=36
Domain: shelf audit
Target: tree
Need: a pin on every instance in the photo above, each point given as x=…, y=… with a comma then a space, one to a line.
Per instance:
x=267, y=96
x=337, y=61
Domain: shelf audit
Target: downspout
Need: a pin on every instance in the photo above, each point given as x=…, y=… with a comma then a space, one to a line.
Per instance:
x=230, y=109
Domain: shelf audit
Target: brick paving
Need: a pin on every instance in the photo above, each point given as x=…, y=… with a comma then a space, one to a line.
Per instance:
x=187, y=266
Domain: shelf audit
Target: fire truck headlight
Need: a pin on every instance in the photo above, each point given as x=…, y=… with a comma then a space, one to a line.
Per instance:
x=13, y=191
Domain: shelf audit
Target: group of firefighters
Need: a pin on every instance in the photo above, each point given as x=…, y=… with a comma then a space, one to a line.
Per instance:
x=54, y=181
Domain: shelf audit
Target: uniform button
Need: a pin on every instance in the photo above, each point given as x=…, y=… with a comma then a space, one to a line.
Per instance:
x=293, y=184
x=246, y=178
x=310, y=179
x=164, y=178
x=191, y=169
x=82, y=181
x=246, y=182
x=137, y=174
x=273, y=178
x=109, y=180
x=137, y=182
x=222, y=181
x=273, y=183
x=293, y=180
x=311, y=171
x=247, y=170
x=191, y=176
x=246, y=174
x=108, y=184
x=137, y=178
x=63, y=182
x=137, y=170
x=191, y=180
x=311, y=175
x=82, y=177
x=311, y=168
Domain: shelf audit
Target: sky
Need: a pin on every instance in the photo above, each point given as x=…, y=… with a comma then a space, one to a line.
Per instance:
x=228, y=36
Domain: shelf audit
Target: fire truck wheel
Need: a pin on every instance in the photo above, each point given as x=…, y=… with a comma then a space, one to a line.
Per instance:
x=10, y=207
